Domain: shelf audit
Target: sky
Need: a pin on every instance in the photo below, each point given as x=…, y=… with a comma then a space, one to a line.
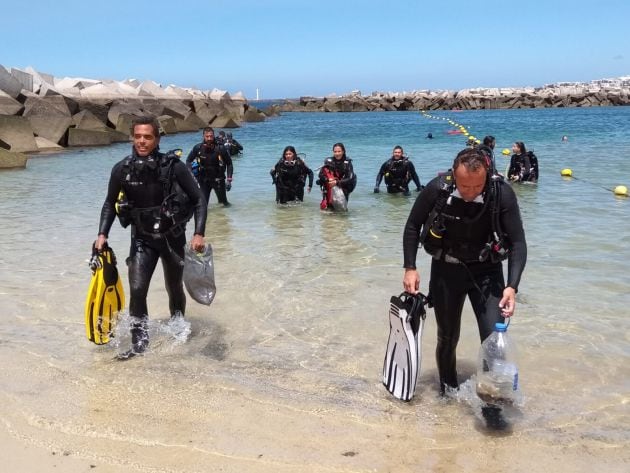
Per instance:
x=295, y=48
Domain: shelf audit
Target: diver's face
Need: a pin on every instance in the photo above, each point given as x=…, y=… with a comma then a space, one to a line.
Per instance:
x=338, y=152
x=515, y=149
x=398, y=153
x=289, y=155
x=144, y=141
x=470, y=184
x=208, y=136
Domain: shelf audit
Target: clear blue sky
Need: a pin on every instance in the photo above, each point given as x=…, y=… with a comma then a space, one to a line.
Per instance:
x=291, y=48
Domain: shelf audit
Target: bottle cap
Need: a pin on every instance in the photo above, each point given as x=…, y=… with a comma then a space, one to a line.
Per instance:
x=500, y=327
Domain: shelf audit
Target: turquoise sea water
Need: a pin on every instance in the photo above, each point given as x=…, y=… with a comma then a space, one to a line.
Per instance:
x=300, y=316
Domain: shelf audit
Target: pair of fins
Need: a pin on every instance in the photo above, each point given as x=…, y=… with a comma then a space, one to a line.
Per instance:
x=105, y=297
x=403, y=355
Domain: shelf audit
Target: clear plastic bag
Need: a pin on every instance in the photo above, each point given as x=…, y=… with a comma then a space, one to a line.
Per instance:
x=339, y=200
x=199, y=275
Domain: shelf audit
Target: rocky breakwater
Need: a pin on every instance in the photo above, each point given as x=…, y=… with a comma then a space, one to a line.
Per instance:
x=607, y=92
x=42, y=113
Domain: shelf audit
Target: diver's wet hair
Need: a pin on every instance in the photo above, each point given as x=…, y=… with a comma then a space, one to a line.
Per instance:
x=146, y=120
x=472, y=159
x=208, y=128
x=289, y=148
x=399, y=147
x=521, y=146
x=489, y=140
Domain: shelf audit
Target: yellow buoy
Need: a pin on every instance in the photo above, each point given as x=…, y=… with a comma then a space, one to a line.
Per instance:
x=621, y=190
x=505, y=152
x=566, y=172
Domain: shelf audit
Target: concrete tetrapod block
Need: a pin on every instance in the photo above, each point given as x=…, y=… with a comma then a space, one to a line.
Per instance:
x=176, y=109
x=23, y=78
x=225, y=121
x=9, y=84
x=98, y=108
x=11, y=160
x=45, y=106
x=16, y=134
x=123, y=125
x=118, y=136
x=191, y=123
x=86, y=120
x=46, y=145
x=123, y=108
x=77, y=137
x=8, y=105
x=51, y=127
x=168, y=124
x=253, y=115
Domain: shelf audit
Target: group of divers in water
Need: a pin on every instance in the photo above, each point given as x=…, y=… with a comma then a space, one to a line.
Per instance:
x=467, y=219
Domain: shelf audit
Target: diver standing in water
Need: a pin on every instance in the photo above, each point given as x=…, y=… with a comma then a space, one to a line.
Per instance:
x=468, y=221
x=156, y=194
x=336, y=171
x=289, y=176
x=210, y=162
x=398, y=172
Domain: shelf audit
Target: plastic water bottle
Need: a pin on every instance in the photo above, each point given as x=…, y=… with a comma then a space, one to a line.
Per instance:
x=497, y=370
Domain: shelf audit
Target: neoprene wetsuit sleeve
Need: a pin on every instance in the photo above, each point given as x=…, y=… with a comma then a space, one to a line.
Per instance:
x=381, y=172
x=414, y=174
x=190, y=186
x=512, y=224
x=229, y=168
x=419, y=213
x=349, y=180
x=309, y=173
x=108, y=211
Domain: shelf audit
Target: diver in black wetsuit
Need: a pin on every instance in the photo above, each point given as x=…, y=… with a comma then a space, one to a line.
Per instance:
x=487, y=148
x=209, y=162
x=398, y=172
x=289, y=176
x=156, y=194
x=523, y=164
x=455, y=218
x=336, y=171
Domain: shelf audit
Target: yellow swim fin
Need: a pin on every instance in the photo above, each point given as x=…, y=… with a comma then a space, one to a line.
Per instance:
x=105, y=297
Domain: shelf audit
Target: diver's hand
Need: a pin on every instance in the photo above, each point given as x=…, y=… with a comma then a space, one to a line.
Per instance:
x=508, y=302
x=197, y=243
x=332, y=183
x=376, y=190
x=308, y=189
x=411, y=281
x=100, y=242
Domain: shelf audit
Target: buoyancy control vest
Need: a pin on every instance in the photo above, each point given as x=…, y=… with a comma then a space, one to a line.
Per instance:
x=397, y=172
x=434, y=235
x=176, y=208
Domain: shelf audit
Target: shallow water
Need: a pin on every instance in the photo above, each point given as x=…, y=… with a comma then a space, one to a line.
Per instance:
x=282, y=371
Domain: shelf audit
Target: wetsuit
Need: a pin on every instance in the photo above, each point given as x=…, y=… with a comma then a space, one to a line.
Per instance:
x=456, y=271
x=342, y=171
x=233, y=146
x=289, y=178
x=489, y=154
x=153, y=235
x=398, y=173
x=520, y=168
x=213, y=164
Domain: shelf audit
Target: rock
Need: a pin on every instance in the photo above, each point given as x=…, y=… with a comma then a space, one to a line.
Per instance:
x=119, y=136
x=191, y=123
x=9, y=84
x=99, y=109
x=123, y=124
x=176, y=109
x=46, y=145
x=8, y=105
x=252, y=114
x=16, y=134
x=86, y=120
x=10, y=160
x=24, y=78
x=77, y=137
x=51, y=127
x=45, y=106
x=121, y=107
x=167, y=123
x=225, y=120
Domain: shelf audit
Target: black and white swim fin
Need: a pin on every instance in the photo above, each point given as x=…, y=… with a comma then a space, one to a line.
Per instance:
x=403, y=354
